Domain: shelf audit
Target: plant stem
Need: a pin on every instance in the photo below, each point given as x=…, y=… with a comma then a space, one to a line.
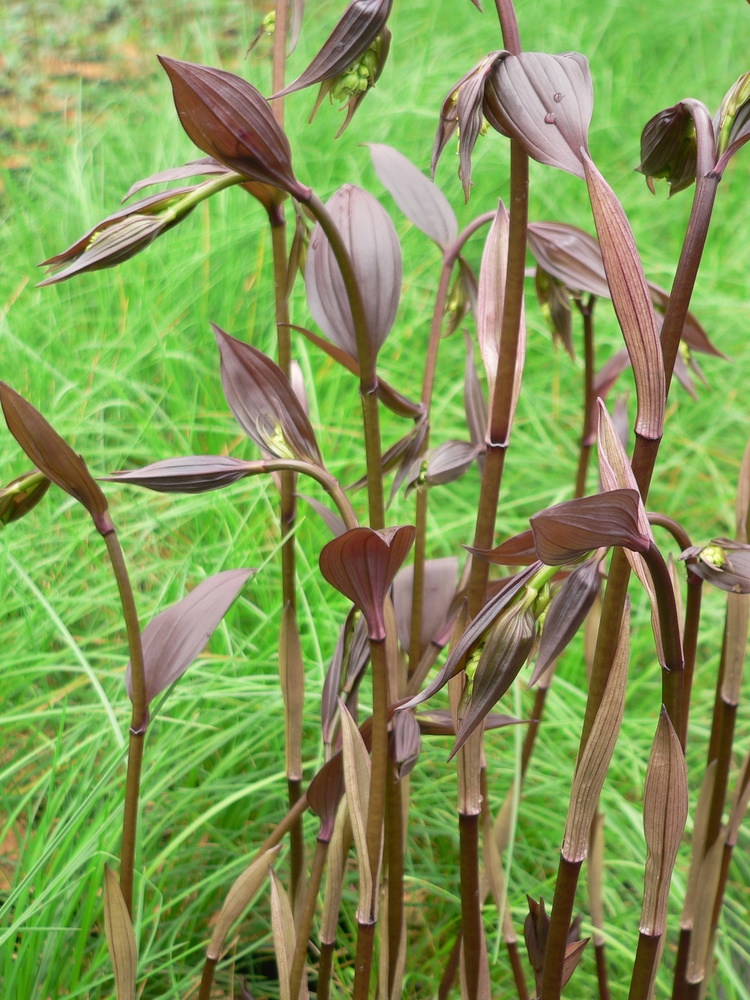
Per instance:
x=509, y=26
x=451, y=967
x=326, y=480
x=471, y=914
x=415, y=633
x=395, y=848
x=368, y=377
x=138, y=720
x=670, y=635
x=587, y=312
x=363, y=961
x=601, y=971
x=325, y=967
x=279, y=59
x=308, y=912
x=646, y=957
x=557, y=935
x=644, y=459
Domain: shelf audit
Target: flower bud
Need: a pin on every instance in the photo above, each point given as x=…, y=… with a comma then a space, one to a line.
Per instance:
x=669, y=149
x=21, y=495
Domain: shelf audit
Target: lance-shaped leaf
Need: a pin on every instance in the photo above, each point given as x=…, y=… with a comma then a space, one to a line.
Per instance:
x=439, y=722
x=405, y=743
x=554, y=303
x=357, y=770
x=592, y=765
x=567, y=531
x=573, y=953
x=206, y=166
x=465, y=107
x=545, y=102
x=449, y=461
x=355, y=31
x=518, y=550
x=570, y=255
x=693, y=335
x=665, y=807
x=566, y=614
x=723, y=563
x=698, y=845
x=331, y=520
x=399, y=456
x=668, y=148
x=475, y=406
x=438, y=590
x=370, y=237
x=490, y=301
x=362, y=563
x=324, y=793
x=535, y=931
x=177, y=635
x=53, y=457
x=21, y=495
x=335, y=868
x=125, y=233
x=238, y=899
x=284, y=935
x=616, y=474
x=631, y=300
x=187, y=474
x=118, y=930
x=230, y=120
x=732, y=122
x=292, y=678
x=506, y=649
x=387, y=395
x=475, y=634
x=329, y=702
x=421, y=201
x=263, y=402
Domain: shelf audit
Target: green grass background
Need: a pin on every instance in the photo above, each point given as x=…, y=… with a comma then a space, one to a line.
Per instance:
x=123, y=364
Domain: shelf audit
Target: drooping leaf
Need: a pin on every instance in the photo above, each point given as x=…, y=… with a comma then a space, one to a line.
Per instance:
x=238, y=899
x=324, y=793
x=573, y=953
x=362, y=563
x=693, y=334
x=631, y=300
x=118, y=930
x=566, y=614
x=593, y=763
x=567, y=531
x=449, y=461
x=331, y=520
x=372, y=243
x=438, y=591
x=546, y=103
x=405, y=743
x=21, y=495
x=474, y=633
x=187, y=474
x=230, y=120
x=263, y=402
x=421, y=201
x=439, y=722
x=665, y=808
x=570, y=255
x=53, y=456
x=506, y=649
x=205, y=166
x=177, y=635
x=490, y=302
x=518, y=550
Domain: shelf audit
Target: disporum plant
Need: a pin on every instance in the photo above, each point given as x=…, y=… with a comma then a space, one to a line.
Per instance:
x=569, y=570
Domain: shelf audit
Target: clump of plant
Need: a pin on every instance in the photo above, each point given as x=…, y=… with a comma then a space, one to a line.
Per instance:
x=403, y=618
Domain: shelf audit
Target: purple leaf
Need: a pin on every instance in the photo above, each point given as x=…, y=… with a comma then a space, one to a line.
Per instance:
x=438, y=591
x=405, y=743
x=439, y=722
x=53, y=456
x=421, y=201
x=188, y=474
x=632, y=302
x=567, y=531
x=263, y=402
x=204, y=167
x=570, y=255
x=324, y=793
x=475, y=406
x=362, y=563
x=296, y=13
x=545, y=102
x=230, y=120
x=566, y=613
x=177, y=635
x=331, y=520
x=518, y=550
x=370, y=238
